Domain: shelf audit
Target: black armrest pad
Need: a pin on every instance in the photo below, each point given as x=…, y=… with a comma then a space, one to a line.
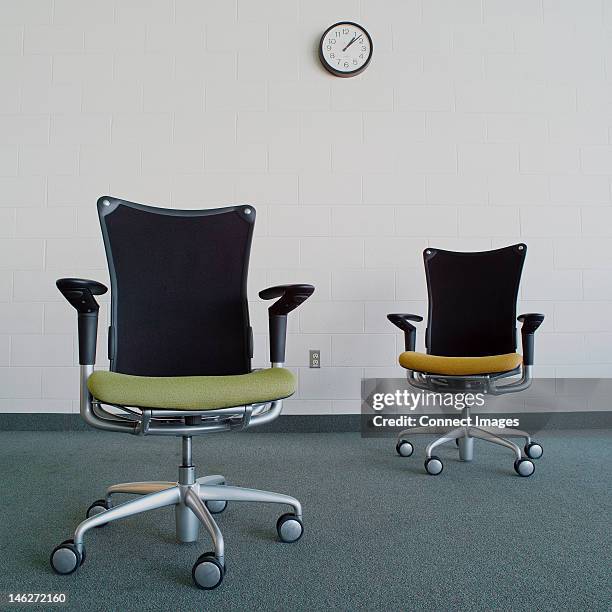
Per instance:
x=80, y=293
x=403, y=322
x=531, y=321
x=68, y=284
x=291, y=297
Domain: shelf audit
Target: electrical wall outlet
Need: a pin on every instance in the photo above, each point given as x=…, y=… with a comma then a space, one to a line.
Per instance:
x=315, y=358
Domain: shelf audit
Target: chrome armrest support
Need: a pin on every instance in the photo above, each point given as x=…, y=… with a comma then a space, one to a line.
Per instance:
x=146, y=422
x=89, y=414
x=269, y=415
x=243, y=423
x=520, y=385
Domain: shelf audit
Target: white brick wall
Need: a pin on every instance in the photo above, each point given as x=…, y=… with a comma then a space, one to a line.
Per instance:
x=478, y=123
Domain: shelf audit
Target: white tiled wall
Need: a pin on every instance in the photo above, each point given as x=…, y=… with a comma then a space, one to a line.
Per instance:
x=478, y=123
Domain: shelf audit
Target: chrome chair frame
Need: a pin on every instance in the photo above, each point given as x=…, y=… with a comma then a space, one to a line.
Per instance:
x=487, y=384
x=189, y=494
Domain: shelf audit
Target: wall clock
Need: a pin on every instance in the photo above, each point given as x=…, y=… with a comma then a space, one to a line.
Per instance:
x=345, y=49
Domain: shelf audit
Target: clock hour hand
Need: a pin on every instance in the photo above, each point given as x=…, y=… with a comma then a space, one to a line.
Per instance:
x=352, y=41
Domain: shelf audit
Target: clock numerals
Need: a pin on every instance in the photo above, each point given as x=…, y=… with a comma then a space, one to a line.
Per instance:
x=345, y=49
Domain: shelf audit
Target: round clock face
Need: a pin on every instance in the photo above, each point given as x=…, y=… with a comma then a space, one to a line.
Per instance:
x=345, y=49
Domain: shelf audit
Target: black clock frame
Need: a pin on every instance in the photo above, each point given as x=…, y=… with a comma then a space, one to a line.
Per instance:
x=333, y=70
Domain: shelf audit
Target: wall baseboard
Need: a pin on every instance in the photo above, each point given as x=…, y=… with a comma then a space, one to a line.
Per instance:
x=297, y=423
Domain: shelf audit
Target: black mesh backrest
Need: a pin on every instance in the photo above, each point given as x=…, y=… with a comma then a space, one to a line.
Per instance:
x=178, y=289
x=472, y=301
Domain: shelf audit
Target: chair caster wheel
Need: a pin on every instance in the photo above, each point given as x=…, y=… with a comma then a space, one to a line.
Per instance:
x=216, y=507
x=434, y=465
x=533, y=450
x=100, y=505
x=289, y=528
x=404, y=448
x=208, y=572
x=524, y=467
x=66, y=559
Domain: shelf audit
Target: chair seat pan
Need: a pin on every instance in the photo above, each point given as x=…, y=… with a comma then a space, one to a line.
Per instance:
x=192, y=392
x=459, y=366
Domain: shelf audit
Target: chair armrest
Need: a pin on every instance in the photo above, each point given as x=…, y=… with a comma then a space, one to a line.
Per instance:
x=80, y=294
x=403, y=322
x=531, y=321
x=291, y=296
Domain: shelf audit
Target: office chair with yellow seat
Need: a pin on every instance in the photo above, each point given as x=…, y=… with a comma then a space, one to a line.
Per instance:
x=180, y=346
x=471, y=345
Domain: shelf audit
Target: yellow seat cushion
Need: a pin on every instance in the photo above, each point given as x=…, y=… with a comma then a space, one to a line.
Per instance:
x=192, y=392
x=459, y=366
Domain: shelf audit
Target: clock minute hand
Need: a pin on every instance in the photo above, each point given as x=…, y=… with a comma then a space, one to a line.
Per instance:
x=352, y=41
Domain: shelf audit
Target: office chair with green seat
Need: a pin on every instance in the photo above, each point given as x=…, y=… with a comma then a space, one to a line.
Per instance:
x=471, y=345
x=180, y=348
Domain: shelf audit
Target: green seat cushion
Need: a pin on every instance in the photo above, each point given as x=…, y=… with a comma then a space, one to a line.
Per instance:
x=191, y=392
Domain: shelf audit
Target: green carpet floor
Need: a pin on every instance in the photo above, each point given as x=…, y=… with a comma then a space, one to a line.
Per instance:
x=380, y=533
